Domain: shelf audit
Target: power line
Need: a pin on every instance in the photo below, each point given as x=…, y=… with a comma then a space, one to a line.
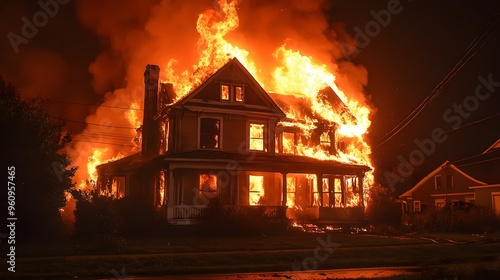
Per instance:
x=477, y=162
x=491, y=28
x=106, y=143
x=103, y=125
x=95, y=105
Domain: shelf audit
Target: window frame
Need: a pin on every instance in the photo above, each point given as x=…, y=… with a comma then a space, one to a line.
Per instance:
x=264, y=136
x=219, y=136
x=449, y=186
x=438, y=178
x=415, y=202
x=261, y=193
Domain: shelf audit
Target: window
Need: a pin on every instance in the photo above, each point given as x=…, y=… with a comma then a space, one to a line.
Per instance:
x=164, y=136
x=238, y=93
x=449, y=181
x=315, y=192
x=231, y=93
x=118, y=187
x=291, y=187
x=326, y=191
x=338, y=192
x=288, y=142
x=257, y=136
x=208, y=186
x=209, y=133
x=439, y=203
x=416, y=206
x=224, y=92
x=255, y=189
x=324, y=140
x=437, y=182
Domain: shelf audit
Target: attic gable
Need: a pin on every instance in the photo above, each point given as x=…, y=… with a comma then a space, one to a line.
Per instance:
x=239, y=83
x=431, y=175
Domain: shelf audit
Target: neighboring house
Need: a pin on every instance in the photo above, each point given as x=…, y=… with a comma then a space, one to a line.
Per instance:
x=228, y=139
x=457, y=182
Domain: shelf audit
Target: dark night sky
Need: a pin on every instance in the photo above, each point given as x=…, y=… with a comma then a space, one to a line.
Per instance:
x=404, y=61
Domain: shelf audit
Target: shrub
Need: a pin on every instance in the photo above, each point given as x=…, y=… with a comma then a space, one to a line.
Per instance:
x=475, y=219
x=139, y=216
x=383, y=209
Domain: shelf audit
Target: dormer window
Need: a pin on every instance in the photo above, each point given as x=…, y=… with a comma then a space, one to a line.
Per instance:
x=224, y=92
x=232, y=93
x=238, y=93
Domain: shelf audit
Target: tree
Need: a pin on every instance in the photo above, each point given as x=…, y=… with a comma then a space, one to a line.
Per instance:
x=33, y=146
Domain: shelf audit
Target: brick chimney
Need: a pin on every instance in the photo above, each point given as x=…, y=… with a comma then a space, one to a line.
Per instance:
x=150, y=127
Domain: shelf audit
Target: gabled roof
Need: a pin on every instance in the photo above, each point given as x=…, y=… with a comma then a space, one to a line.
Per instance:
x=234, y=66
x=495, y=146
x=446, y=164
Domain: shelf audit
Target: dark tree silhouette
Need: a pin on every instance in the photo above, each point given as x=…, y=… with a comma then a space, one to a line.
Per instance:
x=33, y=145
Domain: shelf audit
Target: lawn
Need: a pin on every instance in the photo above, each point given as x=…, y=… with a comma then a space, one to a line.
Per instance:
x=192, y=254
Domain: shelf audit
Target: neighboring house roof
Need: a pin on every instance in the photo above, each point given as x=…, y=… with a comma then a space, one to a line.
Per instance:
x=493, y=147
x=448, y=164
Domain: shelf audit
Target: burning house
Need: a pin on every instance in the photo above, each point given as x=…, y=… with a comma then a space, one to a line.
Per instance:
x=230, y=139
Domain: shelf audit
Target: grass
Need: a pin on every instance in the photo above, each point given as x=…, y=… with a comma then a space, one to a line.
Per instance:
x=174, y=255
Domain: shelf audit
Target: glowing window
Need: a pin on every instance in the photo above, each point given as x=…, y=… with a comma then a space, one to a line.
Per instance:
x=256, y=189
x=326, y=191
x=238, y=93
x=337, y=185
x=209, y=133
x=291, y=187
x=224, y=92
x=324, y=140
x=257, y=136
x=289, y=142
x=208, y=185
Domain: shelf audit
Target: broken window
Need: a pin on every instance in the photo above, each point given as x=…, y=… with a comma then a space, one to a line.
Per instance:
x=208, y=186
x=257, y=136
x=256, y=189
x=238, y=93
x=224, y=92
x=437, y=182
x=209, y=133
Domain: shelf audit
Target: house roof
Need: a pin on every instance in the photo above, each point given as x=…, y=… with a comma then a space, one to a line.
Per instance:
x=495, y=146
x=232, y=65
x=446, y=164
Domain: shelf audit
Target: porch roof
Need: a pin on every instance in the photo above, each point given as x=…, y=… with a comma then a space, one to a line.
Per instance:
x=257, y=161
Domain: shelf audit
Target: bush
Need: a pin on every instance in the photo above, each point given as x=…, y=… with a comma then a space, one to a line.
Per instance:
x=139, y=216
x=97, y=217
x=383, y=209
x=475, y=219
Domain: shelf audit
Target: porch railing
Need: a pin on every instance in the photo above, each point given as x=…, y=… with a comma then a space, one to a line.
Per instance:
x=200, y=211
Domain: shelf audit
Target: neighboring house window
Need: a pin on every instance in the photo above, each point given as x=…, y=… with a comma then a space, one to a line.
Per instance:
x=449, y=181
x=256, y=189
x=437, y=182
x=291, y=187
x=257, y=136
x=208, y=186
x=238, y=93
x=224, y=92
x=209, y=133
x=439, y=203
x=416, y=206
